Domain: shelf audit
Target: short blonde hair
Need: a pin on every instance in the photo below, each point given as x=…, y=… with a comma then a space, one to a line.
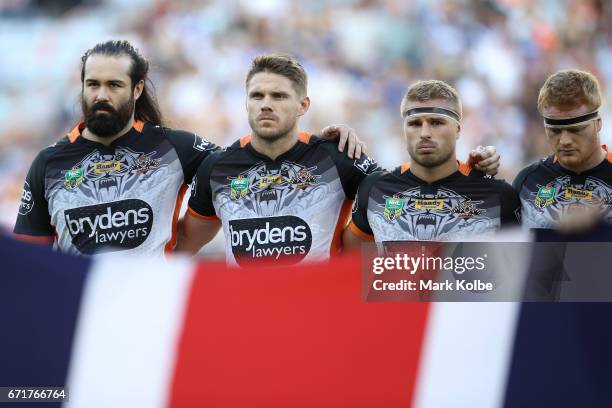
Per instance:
x=570, y=88
x=422, y=91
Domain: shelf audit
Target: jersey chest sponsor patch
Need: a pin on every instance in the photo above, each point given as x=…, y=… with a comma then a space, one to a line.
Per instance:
x=559, y=193
x=261, y=179
x=430, y=216
x=285, y=239
x=124, y=224
x=109, y=175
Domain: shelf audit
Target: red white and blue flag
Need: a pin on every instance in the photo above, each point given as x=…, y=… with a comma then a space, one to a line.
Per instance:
x=129, y=332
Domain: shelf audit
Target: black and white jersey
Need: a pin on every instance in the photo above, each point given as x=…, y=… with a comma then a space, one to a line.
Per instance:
x=123, y=197
x=398, y=206
x=289, y=209
x=548, y=190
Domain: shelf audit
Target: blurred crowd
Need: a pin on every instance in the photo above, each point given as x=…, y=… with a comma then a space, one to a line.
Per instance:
x=360, y=56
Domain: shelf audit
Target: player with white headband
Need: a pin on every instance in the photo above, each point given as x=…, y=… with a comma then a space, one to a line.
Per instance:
x=578, y=175
x=433, y=198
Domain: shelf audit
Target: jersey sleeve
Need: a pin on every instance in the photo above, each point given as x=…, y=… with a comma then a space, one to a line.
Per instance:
x=201, y=201
x=510, y=205
x=351, y=171
x=359, y=223
x=33, y=218
x=520, y=178
x=192, y=150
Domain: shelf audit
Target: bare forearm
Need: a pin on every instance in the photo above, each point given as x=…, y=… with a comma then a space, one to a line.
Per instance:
x=193, y=234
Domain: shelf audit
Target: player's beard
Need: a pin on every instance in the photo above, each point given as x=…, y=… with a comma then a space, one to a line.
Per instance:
x=270, y=135
x=432, y=160
x=110, y=123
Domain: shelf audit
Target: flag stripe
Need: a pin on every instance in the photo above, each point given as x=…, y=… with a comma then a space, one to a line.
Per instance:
x=298, y=337
x=562, y=356
x=127, y=332
x=39, y=301
x=466, y=355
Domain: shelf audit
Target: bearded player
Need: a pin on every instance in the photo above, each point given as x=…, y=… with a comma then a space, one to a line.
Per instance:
x=116, y=181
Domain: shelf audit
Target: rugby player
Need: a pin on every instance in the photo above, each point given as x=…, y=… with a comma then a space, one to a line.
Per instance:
x=116, y=181
x=278, y=193
x=578, y=175
x=434, y=198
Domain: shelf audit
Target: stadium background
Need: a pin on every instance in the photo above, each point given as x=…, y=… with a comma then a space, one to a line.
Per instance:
x=360, y=56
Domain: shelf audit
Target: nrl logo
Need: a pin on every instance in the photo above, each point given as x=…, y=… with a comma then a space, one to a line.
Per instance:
x=239, y=188
x=304, y=178
x=393, y=207
x=545, y=196
x=467, y=210
x=73, y=178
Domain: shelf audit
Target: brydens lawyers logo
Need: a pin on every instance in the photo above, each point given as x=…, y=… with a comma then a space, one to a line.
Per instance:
x=285, y=239
x=27, y=201
x=111, y=226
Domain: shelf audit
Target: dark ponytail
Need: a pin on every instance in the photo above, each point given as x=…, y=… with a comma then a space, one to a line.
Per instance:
x=146, y=109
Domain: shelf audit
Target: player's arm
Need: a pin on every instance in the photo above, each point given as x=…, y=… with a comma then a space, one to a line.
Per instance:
x=200, y=224
x=358, y=229
x=485, y=159
x=351, y=173
x=33, y=220
x=195, y=231
x=347, y=137
x=510, y=205
x=352, y=241
x=521, y=177
x=191, y=149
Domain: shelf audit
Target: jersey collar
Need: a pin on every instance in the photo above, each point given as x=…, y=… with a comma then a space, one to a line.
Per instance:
x=78, y=130
x=303, y=139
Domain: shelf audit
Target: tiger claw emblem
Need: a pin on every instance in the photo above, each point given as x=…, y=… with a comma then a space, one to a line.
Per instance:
x=466, y=210
x=145, y=163
x=304, y=178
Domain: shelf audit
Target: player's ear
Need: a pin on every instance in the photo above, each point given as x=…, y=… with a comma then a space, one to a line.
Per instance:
x=598, y=124
x=304, y=105
x=458, y=131
x=138, y=89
